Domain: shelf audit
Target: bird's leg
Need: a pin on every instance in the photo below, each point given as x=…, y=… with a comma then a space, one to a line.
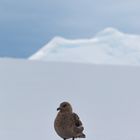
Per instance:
x=64, y=139
x=73, y=138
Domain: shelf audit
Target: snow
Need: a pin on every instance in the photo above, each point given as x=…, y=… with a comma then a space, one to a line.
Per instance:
x=105, y=97
x=109, y=46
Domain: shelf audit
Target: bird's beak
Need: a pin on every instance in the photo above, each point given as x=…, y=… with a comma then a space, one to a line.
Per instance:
x=58, y=108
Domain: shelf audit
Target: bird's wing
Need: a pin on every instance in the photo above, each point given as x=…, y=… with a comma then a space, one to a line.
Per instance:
x=77, y=121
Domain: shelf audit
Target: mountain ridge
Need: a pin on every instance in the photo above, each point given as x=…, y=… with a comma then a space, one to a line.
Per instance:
x=109, y=46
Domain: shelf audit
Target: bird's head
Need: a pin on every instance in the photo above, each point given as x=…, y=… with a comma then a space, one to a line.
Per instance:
x=64, y=107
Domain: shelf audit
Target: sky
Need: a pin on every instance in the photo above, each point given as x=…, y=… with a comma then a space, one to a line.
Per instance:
x=26, y=26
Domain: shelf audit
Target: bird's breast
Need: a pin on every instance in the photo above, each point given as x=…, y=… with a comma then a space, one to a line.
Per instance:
x=63, y=125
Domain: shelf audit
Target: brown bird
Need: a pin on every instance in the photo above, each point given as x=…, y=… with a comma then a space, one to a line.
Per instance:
x=67, y=123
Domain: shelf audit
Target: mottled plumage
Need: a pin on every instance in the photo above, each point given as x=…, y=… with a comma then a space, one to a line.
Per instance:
x=67, y=124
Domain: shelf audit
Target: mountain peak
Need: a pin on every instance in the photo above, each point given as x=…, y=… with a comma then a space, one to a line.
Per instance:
x=109, y=32
x=109, y=46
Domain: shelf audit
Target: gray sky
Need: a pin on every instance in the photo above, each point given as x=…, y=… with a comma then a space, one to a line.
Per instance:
x=27, y=25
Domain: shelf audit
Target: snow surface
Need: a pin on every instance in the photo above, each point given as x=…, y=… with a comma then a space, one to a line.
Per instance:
x=109, y=46
x=106, y=98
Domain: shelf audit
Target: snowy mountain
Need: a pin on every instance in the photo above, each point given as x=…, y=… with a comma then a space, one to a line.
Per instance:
x=109, y=46
x=106, y=98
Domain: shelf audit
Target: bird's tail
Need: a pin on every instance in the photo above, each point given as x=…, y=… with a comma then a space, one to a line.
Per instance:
x=81, y=135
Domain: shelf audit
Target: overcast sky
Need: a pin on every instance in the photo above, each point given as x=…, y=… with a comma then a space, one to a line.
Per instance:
x=25, y=26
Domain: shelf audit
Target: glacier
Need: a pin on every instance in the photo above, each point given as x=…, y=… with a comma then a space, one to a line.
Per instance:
x=109, y=46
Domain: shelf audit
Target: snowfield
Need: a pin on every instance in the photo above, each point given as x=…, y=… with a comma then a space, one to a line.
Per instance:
x=107, y=99
x=109, y=46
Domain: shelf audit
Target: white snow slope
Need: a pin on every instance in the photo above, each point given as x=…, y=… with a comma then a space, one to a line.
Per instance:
x=110, y=46
x=107, y=99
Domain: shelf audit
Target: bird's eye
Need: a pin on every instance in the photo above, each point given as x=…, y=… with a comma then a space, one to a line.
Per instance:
x=64, y=105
